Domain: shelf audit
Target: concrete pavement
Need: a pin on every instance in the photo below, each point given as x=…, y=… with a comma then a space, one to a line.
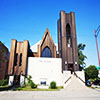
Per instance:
x=74, y=91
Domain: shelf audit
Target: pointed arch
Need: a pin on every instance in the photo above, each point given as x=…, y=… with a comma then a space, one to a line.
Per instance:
x=46, y=52
x=68, y=36
x=47, y=42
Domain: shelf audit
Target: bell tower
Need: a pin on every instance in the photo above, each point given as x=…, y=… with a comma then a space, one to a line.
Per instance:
x=67, y=41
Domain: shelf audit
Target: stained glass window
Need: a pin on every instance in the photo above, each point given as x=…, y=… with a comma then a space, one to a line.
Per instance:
x=46, y=52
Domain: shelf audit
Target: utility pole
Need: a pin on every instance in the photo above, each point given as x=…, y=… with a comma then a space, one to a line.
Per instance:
x=96, y=34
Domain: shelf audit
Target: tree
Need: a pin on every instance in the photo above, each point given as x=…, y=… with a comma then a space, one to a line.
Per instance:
x=91, y=72
x=81, y=56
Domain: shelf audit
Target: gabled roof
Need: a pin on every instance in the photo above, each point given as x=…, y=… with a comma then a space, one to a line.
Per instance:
x=44, y=36
x=34, y=47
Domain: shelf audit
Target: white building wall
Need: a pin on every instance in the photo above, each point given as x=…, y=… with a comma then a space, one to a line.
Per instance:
x=66, y=75
x=11, y=79
x=45, y=69
x=81, y=75
x=22, y=80
x=66, y=78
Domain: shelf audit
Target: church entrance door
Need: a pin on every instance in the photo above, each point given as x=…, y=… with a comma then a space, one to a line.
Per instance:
x=70, y=68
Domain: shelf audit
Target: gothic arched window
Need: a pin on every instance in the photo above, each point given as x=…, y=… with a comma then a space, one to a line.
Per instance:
x=46, y=52
x=68, y=36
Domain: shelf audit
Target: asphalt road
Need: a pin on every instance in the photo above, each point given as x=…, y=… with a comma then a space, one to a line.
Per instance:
x=74, y=91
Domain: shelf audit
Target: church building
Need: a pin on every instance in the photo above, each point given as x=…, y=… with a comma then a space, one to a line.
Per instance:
x=46, y=63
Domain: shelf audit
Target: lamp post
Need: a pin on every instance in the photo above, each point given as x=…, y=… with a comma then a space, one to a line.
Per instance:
x=96, y=34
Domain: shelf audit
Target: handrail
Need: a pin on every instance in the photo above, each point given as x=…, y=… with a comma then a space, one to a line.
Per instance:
x=79, y=78
x=67, y=80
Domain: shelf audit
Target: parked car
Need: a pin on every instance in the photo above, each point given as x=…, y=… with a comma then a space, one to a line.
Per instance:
x=96, y=82
x=88, y=83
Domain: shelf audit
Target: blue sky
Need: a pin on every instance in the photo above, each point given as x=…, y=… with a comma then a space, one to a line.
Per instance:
x=28, y=20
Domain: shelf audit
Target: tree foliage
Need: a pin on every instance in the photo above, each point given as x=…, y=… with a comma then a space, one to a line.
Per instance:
x=29, y=78
x=81, y=56
x=91, y=72
x=32, y=84
x=4, y=82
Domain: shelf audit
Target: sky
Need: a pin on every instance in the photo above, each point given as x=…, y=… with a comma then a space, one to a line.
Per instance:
x=28, y=20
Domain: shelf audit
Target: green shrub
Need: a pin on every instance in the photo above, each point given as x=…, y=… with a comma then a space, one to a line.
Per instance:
x=53, y=85
x=24, y=85
x=92, y=80
x=4, y=82
x=19, y=89
x=32, y=84
x=97, y=78
x=29, y=78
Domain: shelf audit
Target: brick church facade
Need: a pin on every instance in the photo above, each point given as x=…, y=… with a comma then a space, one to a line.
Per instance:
x=67, y=49
x=67, y=41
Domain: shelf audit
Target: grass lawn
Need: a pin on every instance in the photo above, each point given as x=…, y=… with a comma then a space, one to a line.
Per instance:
x=28, y=88
x=4, y=86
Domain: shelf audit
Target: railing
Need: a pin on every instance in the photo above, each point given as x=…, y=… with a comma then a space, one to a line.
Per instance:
x=67, y=80
x=78, y=77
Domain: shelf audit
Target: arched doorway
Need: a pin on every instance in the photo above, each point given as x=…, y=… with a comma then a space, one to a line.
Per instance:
x=46, y=52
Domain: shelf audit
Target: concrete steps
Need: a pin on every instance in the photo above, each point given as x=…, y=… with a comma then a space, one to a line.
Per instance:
x=75, y=83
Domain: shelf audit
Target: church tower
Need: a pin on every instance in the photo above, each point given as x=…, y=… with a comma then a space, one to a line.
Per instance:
x=67, y=41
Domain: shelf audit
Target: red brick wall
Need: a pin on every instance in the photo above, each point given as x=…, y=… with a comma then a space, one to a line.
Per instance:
x=3, y=61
